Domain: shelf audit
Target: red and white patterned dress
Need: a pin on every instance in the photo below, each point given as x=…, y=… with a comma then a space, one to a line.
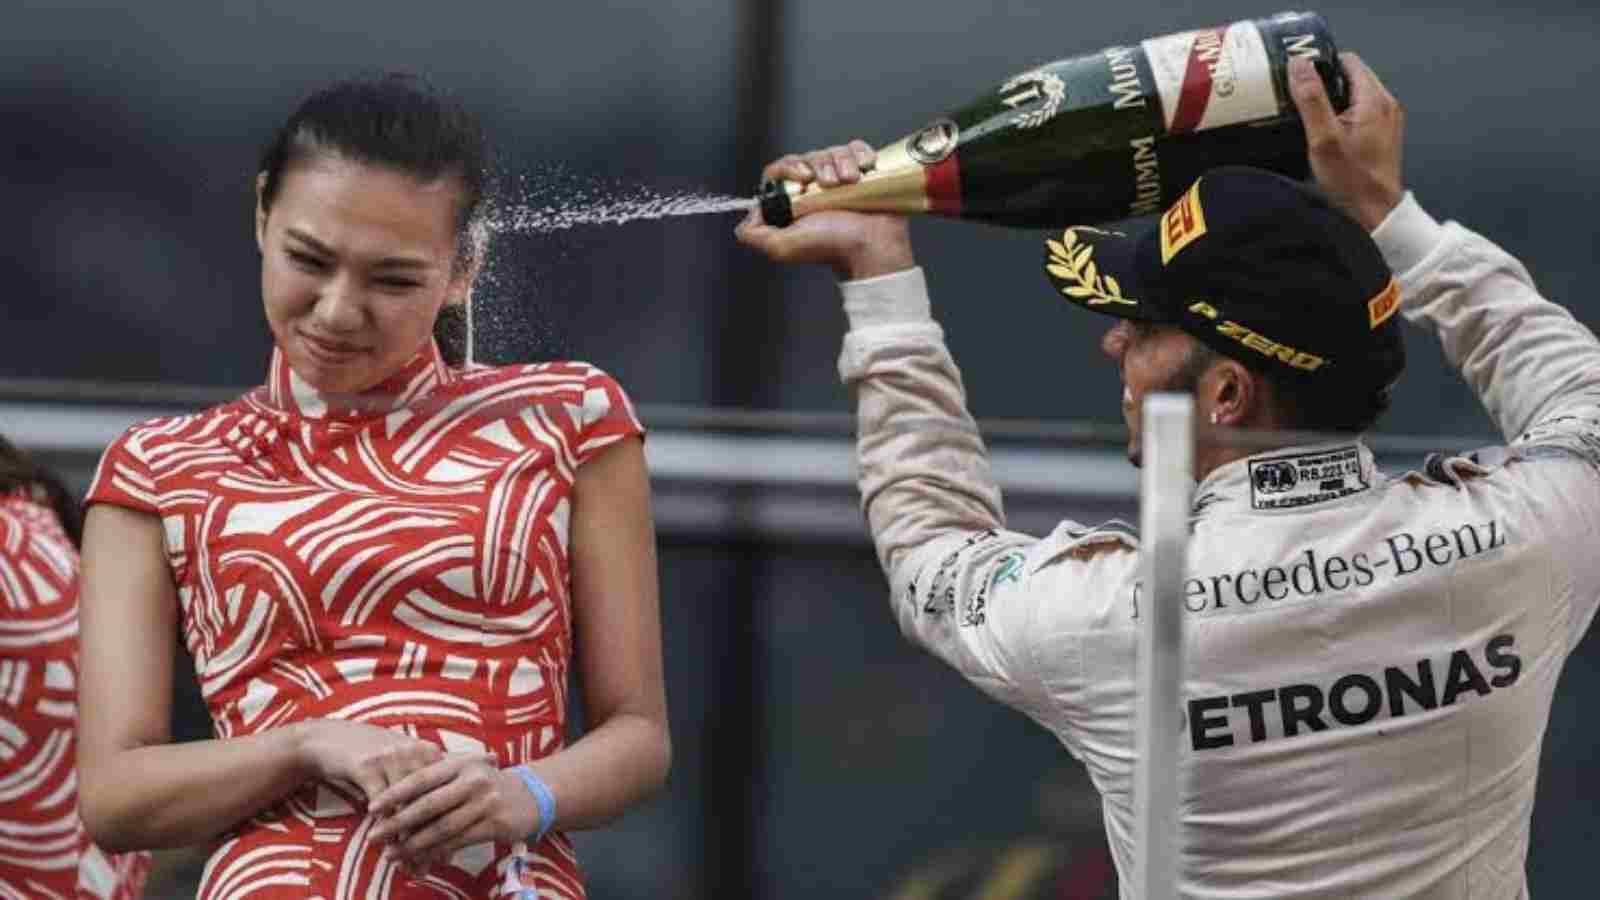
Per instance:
x=404, y=564
x=44, y=851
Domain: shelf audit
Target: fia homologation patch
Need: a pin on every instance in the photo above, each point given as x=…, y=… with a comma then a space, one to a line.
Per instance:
x=1287, y=482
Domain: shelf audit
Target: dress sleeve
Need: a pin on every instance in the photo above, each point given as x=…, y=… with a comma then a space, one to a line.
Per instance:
x=124, y=477
x=607, y=417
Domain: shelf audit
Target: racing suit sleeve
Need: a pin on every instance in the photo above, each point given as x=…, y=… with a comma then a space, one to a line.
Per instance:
x=1529, y=361
x=1536, y=369
x=932, y=504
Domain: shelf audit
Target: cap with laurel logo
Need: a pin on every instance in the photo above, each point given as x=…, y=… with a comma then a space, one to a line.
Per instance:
x=1255, y=266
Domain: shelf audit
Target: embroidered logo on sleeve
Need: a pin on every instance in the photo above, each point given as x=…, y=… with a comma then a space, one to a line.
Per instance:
x=940, y=597
x=1287, y=482
x=1009, y=568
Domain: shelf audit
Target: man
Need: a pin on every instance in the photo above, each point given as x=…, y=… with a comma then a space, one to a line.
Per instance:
x=1370, y=659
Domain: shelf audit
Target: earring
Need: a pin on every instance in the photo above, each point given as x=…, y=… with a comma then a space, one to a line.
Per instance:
x=1215, y=417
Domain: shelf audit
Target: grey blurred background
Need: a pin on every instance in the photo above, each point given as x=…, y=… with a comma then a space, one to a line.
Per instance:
x=815, y=752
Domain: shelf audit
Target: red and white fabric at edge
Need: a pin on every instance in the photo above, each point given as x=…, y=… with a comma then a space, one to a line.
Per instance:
x=401, y=560
x=45, y=854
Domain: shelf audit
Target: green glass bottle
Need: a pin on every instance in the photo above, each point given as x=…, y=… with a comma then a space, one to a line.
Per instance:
x=1095, y=138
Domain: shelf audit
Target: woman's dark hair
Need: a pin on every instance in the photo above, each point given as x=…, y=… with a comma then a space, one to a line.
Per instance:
x=401, y=122
x=19, y=473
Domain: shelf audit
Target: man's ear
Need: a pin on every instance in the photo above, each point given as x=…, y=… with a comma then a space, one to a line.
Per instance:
x=1235, y=395
x=261, y=213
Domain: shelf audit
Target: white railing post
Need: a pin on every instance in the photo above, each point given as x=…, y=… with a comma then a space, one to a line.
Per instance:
x=1165, y=488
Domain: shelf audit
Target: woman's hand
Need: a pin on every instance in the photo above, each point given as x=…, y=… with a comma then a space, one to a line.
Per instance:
x=461, y=800
x=370, y=757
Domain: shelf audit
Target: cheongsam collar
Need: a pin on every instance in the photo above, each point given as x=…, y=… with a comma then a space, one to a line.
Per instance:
x=288, y=392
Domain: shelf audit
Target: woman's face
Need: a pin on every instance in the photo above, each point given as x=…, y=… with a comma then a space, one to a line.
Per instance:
x=355, y=264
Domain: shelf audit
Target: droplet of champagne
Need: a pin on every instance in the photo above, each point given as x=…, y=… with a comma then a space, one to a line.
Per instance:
x=549, y=199
x=640, y=203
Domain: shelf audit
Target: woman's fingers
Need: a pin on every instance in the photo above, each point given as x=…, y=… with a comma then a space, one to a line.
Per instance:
x=466, y=824
x=402, y=760
x=408, y=791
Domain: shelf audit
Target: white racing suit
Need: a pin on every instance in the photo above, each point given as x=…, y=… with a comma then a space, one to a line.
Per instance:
x=1370, y=659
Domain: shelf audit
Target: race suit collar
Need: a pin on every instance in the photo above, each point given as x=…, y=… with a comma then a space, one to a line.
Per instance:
x=1288, y=479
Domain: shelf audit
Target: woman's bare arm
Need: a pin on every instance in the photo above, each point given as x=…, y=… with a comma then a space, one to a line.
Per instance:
x=137, y=789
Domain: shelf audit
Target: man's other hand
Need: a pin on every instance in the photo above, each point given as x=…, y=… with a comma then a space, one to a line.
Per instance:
x=1355, y=155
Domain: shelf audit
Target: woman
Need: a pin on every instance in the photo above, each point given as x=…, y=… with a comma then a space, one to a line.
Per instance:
x=44, y=850
x=379, y=562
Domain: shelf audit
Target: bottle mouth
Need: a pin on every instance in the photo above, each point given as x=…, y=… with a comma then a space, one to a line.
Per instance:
x=776, y=208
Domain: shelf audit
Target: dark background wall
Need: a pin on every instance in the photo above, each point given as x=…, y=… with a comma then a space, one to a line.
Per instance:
x=125, y=167
x=132, y=134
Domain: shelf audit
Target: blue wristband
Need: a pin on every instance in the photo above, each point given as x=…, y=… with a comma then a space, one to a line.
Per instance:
x=545, y=800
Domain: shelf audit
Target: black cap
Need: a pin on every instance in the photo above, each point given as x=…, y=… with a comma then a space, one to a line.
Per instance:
x=1255, y=266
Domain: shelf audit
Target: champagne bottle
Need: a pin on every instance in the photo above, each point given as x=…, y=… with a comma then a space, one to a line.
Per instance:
x=1099, y=137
